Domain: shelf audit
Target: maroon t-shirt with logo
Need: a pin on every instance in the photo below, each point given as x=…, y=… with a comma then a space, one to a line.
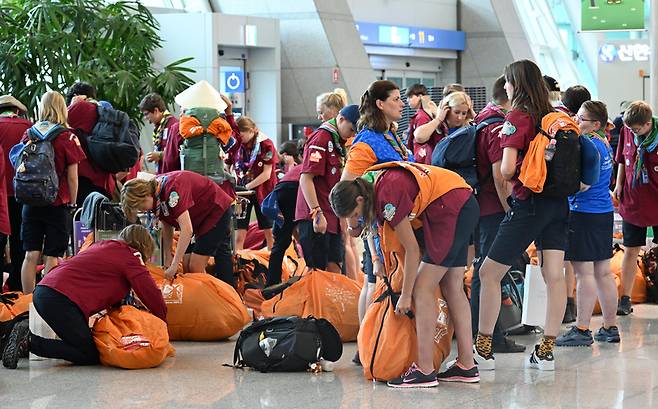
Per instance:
x=488, y=152
x=395, y=193
x=639, y=201
x=321, y=159
x=423, y=151
x=184, y=190
x=102, y=276
x=12, y=130
x=517, y=132
x=170, y=141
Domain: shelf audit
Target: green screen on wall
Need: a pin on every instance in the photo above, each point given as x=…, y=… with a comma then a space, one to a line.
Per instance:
x=607, y=15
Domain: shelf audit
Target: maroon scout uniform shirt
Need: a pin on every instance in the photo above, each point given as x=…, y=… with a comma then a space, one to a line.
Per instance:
x=517, y=132
x=488, y=152
x=102, y=276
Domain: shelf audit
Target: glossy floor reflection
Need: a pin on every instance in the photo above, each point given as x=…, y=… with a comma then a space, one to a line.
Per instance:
x=624, y=375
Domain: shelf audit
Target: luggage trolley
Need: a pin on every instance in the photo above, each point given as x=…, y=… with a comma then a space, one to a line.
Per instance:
x=109, y=220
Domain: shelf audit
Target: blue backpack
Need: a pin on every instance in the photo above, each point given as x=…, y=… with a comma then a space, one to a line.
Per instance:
x=36, y=182
x=457, y=151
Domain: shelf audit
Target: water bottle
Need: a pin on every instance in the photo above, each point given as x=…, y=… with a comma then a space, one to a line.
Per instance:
x=550, y=150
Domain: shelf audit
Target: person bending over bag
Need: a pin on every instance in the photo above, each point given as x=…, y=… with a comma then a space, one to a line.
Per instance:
x=196, y=206
x=82, y=286
x=444, y=213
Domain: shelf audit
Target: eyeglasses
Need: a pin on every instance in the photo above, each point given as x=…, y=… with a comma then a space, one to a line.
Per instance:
x=582, y=119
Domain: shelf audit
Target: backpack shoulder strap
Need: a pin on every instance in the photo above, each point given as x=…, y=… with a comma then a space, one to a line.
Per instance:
x=489, y=121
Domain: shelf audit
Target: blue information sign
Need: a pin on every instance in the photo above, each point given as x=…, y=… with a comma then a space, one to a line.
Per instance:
x=413, y=37
x=233, y=81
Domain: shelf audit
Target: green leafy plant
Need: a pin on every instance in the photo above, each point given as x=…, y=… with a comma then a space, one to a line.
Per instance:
x=48, y=45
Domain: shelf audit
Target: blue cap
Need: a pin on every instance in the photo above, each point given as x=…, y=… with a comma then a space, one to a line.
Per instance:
x=351, y=113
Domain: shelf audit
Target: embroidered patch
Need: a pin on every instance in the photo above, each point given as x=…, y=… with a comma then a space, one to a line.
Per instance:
x=422, y=153
x=315, y=157
x=628, y=162
x=655, y=168
x=508, y=129
x=260, y=164
x=330, y=146
x=173, y=199
x=333, y=171
x=389, y=211
x=268, y=156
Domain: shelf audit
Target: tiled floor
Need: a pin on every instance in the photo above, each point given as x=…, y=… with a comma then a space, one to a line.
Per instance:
x=603, y=376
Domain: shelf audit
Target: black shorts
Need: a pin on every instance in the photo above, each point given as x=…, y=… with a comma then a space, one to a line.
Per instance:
x=457, y=256
x=207, y=244
x=320, y=249
x=636, y=236
x=538, y=218
x=263, y=221
x=366, y=264
x=590, y=236
x=46, y=229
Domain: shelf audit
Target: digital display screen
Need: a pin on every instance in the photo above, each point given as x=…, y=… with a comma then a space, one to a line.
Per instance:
x=412, y=37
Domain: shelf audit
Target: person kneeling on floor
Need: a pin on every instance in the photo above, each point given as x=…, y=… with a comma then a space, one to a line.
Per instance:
x=82, y=286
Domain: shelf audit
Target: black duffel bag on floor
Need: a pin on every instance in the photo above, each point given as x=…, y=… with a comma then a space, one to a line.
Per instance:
x=287, y=344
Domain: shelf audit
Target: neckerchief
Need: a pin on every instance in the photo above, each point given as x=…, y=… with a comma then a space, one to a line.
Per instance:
x=397, y=144
x=159, y=188
x=244, y=166
x=157, y=131
x=331, y=126
x=648, y=144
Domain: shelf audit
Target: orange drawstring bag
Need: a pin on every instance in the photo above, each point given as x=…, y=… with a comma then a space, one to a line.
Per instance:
x=190, y=127
x=132, y=339
x=13, y=306
x=387, y=342
x=321, y=294
x=200, y=307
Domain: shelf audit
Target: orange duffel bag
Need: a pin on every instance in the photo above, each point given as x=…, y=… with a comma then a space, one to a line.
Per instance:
x=387, y=342
x=132, y=339
x=14, y=307
x=200, y=307
x=321, y=294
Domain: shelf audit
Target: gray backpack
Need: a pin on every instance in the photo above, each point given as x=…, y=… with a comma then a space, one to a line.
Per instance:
x=36, y=182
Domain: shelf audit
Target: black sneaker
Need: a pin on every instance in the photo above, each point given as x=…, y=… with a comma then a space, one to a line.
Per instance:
x=457, y=374
x=624, y=307
x=607, y=335
x=546, y=363
x=17, y=345
x=414, y=378
x=508, y=346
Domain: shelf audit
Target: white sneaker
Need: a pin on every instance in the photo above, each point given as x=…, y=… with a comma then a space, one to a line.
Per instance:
x=484, y=364
x=543, y=364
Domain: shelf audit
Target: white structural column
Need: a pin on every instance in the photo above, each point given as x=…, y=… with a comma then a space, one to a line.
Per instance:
x=653, y=43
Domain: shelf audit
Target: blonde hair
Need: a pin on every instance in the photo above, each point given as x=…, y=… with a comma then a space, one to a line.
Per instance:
x=246, y=124
x=139, y=238
x=428, y=105
x=458, y=98
x=52, y=108
x=133, y=194
x=336, y=99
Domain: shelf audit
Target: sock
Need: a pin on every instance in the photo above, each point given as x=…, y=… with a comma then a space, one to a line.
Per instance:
x=570, y=301
x=546, y=346
x=483, y=344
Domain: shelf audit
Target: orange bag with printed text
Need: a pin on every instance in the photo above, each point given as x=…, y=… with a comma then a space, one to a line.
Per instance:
x=387, y=342
x=200, y=307
x=132, y=339
x=321, y=294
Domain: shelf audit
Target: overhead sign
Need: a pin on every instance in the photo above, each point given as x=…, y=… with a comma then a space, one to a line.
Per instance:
x=411, y=37
x=638, y=52
x=234, y=81
x=612, y=15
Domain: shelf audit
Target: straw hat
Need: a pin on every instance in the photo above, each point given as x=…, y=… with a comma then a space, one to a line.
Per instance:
x=9, y=101
x=201, y=95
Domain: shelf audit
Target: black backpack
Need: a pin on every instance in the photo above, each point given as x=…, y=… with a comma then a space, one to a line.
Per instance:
x=36, y=182
x=457, y=151
x=113, y=144
x=563, y=172
x=287, y=344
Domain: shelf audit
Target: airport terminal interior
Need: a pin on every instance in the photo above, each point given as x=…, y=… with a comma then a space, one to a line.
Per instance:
x=328, y=204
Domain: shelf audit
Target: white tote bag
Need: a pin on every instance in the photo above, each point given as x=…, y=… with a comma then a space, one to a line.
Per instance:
x=534, y=297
